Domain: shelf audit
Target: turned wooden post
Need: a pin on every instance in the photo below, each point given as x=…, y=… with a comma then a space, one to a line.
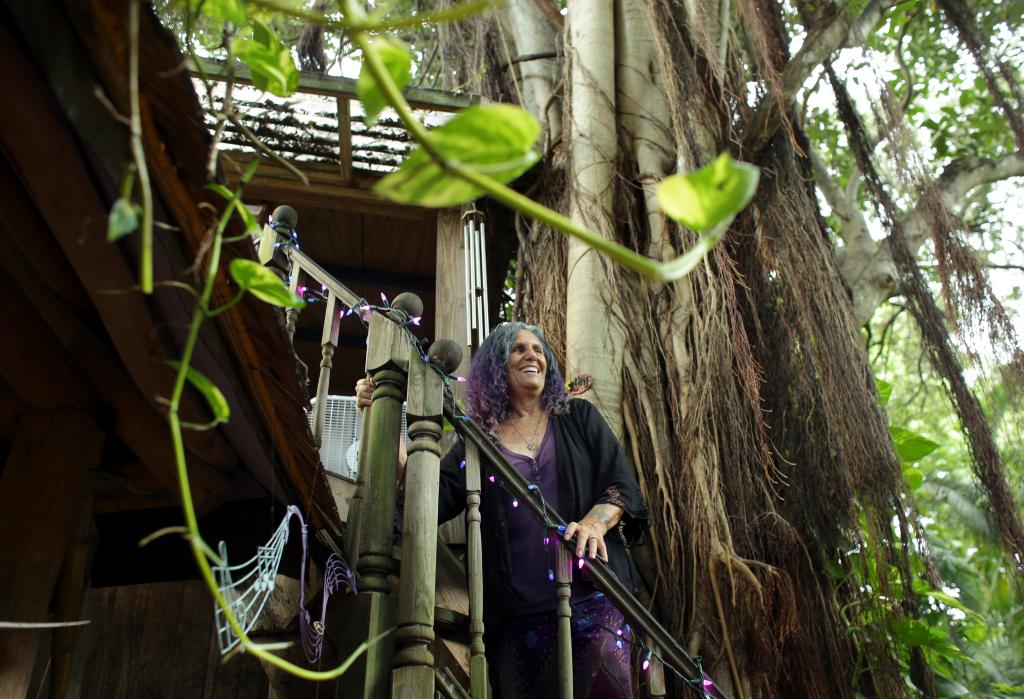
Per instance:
x=373, y=611
x=387, y=358
x=328, y=344
x=563, y=576
x=477, y=660
x=413, y=675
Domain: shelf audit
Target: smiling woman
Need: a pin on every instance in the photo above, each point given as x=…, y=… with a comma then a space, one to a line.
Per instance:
x=565, y=449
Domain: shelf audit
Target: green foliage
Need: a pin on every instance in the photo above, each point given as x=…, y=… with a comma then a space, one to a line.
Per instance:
x=214, y=398
x=976, y=604
x=711, y=196
x=263, y=284
x=269, y=60
x=911, y=446
x=251, y=227
x=123, y=219
x=496, y=140
x=398, y=62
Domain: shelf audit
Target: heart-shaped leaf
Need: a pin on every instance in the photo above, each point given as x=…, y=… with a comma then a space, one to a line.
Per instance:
x=711, y=196
x=123, y=219
x=270, y=61
x=263, y=283
x=216, y=400
x=496, y=140
x=397, y=61
x=911, y=446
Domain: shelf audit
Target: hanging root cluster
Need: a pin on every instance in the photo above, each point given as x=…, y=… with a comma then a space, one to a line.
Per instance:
x=749, y=408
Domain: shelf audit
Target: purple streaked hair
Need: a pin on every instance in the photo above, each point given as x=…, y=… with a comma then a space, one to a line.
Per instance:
x=487, y=393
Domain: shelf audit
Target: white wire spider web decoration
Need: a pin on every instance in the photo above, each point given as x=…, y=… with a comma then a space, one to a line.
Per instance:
x=246, y=587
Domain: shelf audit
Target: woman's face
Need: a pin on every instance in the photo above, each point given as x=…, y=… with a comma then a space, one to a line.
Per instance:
x=526, y=369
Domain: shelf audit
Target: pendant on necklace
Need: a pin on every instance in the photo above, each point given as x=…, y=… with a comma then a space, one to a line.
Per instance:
x=530, y=446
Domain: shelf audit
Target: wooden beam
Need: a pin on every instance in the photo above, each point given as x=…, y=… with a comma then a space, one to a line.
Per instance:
x=344, y=138
x=41, y=489
x=94, y=374
x=49, y=164
x=36, y=365
x=273, y=183
x=176, y=146
x=335, y=86
x=70, y=598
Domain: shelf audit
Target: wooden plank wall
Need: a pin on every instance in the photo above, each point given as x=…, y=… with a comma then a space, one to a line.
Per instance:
x=157, y=640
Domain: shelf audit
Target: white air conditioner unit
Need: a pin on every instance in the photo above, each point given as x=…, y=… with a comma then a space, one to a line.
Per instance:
x=339, y=445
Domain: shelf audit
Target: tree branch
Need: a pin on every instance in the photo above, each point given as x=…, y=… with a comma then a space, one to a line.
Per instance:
x=955, y=182
x=841, y=31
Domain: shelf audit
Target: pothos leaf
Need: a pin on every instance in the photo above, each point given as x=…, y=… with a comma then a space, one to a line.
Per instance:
x=263, y=283
x=396, y=59
x=711, y=196
x=496, y=140
x=270, y=61
x=122, y=219
x=216, y=400
x=911, y=446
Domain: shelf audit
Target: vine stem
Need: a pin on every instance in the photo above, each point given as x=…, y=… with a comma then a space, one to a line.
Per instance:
x=652, y=269
x=198, y=546
x=139, y=154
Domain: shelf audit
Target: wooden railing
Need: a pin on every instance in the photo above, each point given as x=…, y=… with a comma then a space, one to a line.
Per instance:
x=399, y=373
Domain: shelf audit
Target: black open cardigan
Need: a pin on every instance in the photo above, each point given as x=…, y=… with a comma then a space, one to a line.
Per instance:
x=592, y=469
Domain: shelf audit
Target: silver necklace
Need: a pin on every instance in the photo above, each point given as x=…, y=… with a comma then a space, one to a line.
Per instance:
x=531, y=443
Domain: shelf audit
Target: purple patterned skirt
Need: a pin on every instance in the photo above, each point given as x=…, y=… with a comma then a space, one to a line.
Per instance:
x=527, y=654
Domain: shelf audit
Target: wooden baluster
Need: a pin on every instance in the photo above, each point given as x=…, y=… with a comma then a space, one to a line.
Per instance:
x=344, y=138
x=387, y=358
x=328, y=344
x=354, y=523
x=413, y=675
x=478, y=687
x=563, y=576
x=656, y=672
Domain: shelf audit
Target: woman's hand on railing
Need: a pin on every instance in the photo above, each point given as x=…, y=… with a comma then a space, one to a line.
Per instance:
x=590, y=530
x=364, y=398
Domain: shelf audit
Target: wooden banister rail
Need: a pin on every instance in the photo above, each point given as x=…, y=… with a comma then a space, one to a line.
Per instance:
x=600, y=574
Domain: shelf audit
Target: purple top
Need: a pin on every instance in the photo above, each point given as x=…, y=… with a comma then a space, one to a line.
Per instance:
x=533, y=562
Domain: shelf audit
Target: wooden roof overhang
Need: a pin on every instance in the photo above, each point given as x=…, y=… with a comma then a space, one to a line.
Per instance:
x=85, y=338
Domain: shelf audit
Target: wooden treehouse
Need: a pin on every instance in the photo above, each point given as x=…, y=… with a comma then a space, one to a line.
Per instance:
x=88, y=468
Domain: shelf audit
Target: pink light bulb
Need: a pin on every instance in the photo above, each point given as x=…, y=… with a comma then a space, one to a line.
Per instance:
x=515, y=503
x=647, y=664
x=580, y=564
